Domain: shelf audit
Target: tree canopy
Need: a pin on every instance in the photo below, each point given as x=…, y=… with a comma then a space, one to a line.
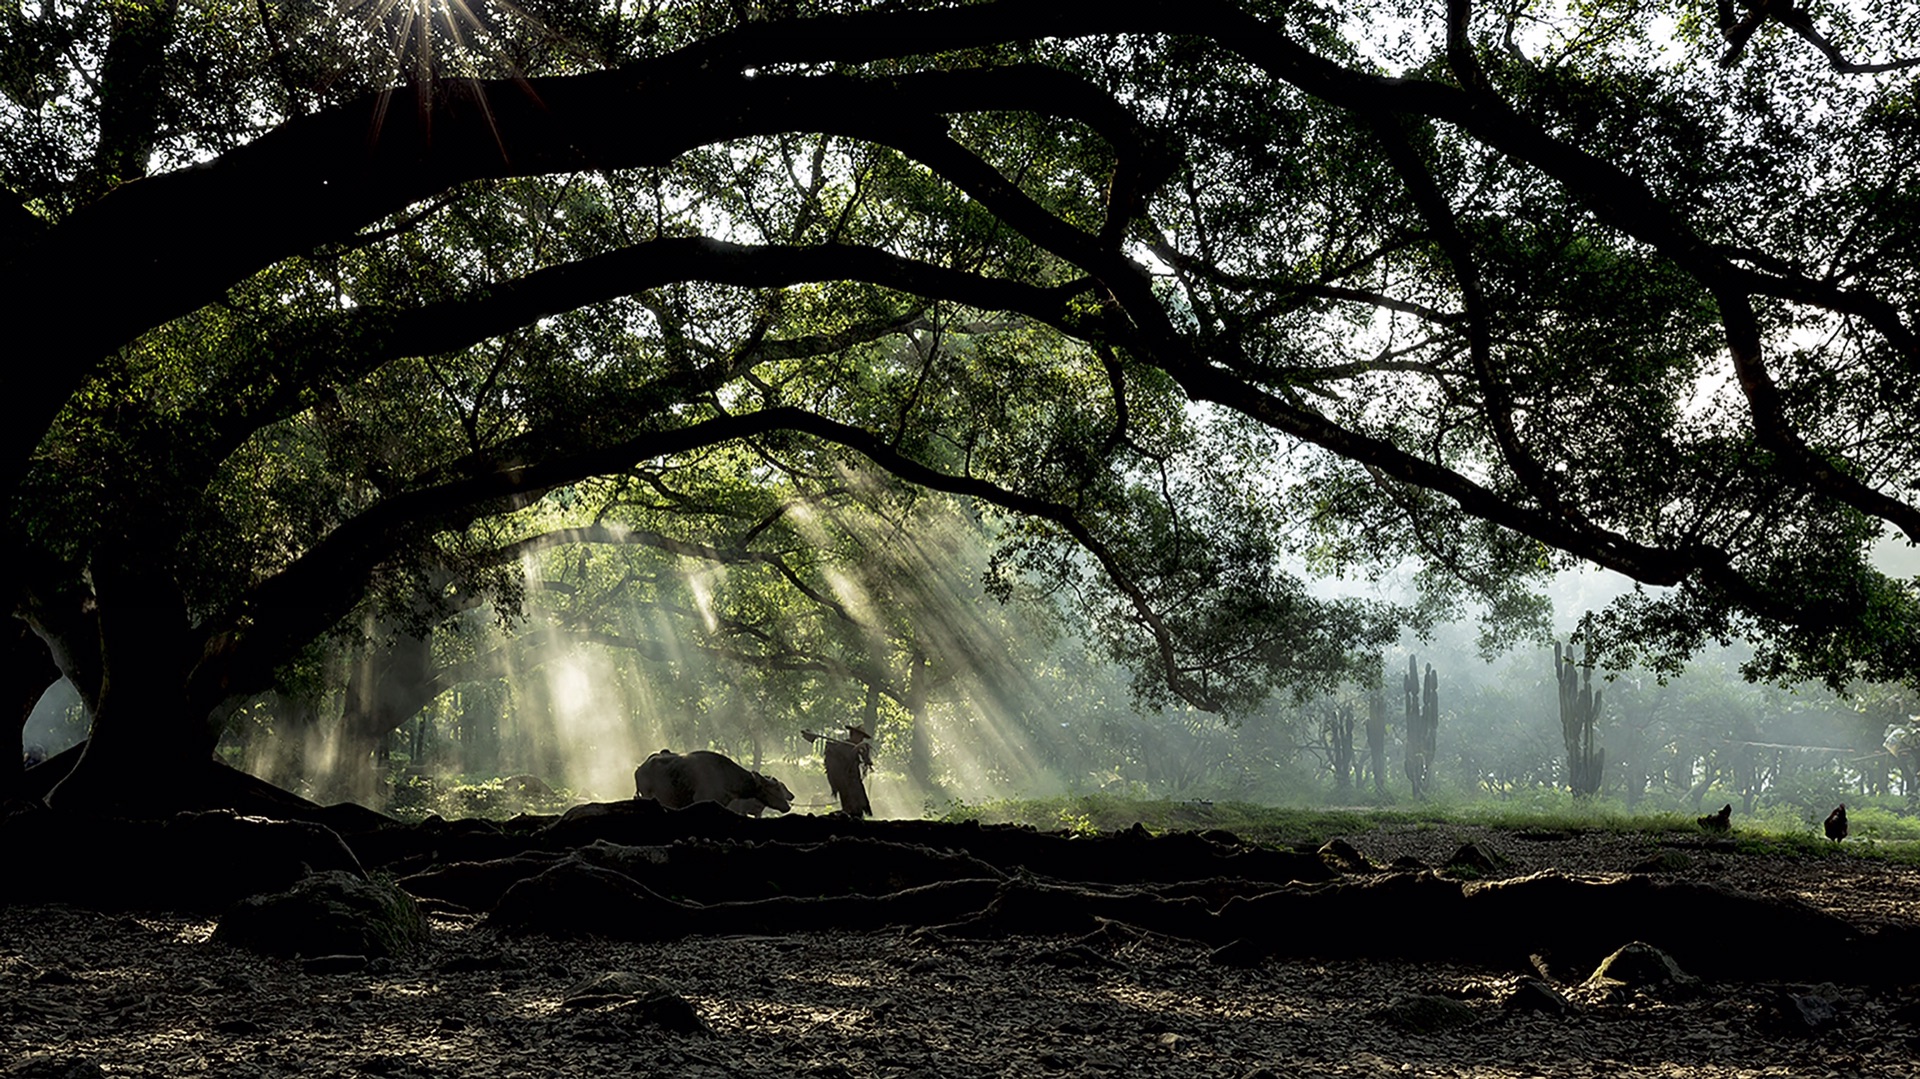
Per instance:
x=1196, y=298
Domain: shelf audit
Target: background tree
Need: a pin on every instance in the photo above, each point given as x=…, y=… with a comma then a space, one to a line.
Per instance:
x=1499, y=309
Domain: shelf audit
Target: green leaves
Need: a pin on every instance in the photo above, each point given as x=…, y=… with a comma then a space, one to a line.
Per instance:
x=1202, y=301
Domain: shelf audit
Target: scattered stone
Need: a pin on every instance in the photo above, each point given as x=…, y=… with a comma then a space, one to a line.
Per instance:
x=1535, y=996
x=237, y=1026
x=462, y=964
x=627, y=995
x=1076, y=1028
x=1342, y=857
x=1171, y=1041
x=45, y=1067
x=1407, y=862
x=611, y=988
x=330, y=913
x=1261, y=1073
x=1477, y=989
x=1907, y=1012
x=1641, y=967
x=1804, y=1013
x=1426, y=1014
x=1474, y=859
x=122, y=1004
x=394, y=1065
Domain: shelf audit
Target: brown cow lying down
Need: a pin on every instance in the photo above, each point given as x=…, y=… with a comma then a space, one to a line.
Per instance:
x=677, y=780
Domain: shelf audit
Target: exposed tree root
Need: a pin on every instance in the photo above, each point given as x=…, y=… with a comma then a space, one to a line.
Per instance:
x=637, y=871
x=1711, y=930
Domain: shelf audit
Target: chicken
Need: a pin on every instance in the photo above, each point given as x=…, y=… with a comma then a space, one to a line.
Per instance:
x=1717, y=822
x=1837, y=823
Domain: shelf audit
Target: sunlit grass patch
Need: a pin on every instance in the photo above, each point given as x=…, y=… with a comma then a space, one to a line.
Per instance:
x=1283, y=825
x=1780, y=831
x=415, y=798
x=1099, y=813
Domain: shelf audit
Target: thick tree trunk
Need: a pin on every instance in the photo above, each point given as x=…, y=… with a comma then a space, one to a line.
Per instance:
x=131, y=81
x=1632, y=767
x=919, y=744
x=151, y=747
x=479, y=731
x=1377, y=741
x=389, y=685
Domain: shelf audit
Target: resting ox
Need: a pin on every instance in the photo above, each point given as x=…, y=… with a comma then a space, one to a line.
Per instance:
x=677, y=780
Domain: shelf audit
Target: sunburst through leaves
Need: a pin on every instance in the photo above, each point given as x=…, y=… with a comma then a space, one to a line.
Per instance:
x=428, y=40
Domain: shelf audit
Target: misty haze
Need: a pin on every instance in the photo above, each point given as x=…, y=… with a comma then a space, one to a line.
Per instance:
x=894, y=539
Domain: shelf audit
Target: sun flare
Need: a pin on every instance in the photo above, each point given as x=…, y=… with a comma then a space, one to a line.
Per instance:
x=439, y=39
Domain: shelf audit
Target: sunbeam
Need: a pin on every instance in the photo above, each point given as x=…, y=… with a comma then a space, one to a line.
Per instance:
x=437, y=39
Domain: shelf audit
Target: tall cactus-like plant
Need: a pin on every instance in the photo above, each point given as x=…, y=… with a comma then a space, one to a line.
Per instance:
x=1423, y=723
x=1337, y=729
x=1377, y=740
x=1579, y=708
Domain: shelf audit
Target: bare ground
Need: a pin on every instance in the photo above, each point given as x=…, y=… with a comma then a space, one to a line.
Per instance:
x=84, y=993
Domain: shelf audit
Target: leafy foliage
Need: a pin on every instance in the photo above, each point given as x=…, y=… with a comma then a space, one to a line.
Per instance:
x=1182, y=306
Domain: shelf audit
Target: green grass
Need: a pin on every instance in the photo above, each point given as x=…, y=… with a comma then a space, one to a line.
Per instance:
x=417, y=797
x=1291, y=825
x=1781, y=832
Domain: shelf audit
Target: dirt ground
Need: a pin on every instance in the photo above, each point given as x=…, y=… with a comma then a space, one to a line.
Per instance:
x=88, y=994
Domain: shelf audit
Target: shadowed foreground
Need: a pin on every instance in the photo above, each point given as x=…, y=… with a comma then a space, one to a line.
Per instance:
x=824, y=946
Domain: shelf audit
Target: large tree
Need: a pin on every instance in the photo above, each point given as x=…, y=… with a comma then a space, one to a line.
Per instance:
x=322, y=304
